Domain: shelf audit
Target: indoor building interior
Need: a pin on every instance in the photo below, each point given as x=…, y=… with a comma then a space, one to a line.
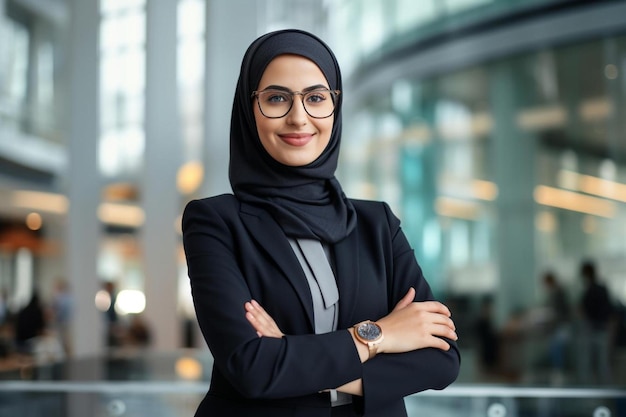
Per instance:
x=495, y=130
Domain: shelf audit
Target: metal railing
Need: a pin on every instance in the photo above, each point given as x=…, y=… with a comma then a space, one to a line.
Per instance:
x=178, y=398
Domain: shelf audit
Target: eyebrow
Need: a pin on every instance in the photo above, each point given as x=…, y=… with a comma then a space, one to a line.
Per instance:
x=304, y=90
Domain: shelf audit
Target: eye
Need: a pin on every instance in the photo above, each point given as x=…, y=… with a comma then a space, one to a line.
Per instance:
x=317, y=96
x=275, y=97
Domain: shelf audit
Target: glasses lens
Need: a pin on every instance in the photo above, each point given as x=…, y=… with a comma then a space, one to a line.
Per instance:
x=274, y=103
x=319, y=103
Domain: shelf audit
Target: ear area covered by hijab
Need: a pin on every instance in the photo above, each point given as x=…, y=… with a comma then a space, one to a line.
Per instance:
x=307, y=201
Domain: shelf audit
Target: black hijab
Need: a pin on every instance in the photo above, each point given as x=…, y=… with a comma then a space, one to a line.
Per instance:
x=307, y=201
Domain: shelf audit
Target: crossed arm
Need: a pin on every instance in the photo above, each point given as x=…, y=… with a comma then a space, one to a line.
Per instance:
x=410, y=326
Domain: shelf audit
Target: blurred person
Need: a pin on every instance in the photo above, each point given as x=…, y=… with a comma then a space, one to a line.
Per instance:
x=30, y=323
x=138, y=332
x=7, y=342
x=620, y=325
x=47, y=347
x=6, y=327
x=310, y=302
x=62, y=310
x=513, y=337
x=4, y=308
x=595, y=337
x=558, y=325
x=488, y=339
x=113, y=327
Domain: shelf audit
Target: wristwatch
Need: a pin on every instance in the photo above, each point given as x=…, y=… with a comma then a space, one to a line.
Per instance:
x=370, y=334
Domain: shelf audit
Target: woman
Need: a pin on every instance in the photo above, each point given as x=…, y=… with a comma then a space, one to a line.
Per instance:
x=283, y=270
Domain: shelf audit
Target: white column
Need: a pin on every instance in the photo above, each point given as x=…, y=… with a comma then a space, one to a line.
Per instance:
x=161, y=199
x=514, y=172
x=226, y=43
x=83, y=188
x=83, y=227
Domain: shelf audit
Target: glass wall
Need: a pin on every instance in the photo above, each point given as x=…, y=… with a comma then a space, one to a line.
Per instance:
x=32, y=140
x=430, y=147
x=122, y=87
x=31, y=75
x=362, y=28
x=501, y=171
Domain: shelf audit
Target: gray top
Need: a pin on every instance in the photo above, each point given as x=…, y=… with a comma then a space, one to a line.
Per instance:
x=315, y=263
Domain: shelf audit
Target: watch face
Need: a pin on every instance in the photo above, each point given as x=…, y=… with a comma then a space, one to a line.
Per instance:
x=369, y=331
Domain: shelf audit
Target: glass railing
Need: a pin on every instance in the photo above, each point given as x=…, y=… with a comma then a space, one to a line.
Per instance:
x=174, y=399
x=172, y=385
x=502, y=401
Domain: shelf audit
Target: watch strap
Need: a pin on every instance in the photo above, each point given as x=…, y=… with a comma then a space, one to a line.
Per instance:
x=373, y=349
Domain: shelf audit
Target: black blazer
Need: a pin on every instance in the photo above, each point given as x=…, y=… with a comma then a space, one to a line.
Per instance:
x=236, y=252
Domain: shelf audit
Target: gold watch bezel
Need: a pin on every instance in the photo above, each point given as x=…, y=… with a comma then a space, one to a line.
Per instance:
x=372, y=345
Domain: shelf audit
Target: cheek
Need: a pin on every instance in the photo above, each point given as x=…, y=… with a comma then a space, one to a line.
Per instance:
x=326, y=129
x=261, y=122
x=258, y=118
x=265, y=129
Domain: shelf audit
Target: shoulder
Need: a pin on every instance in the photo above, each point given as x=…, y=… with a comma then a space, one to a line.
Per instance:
x=218, y=203
x=368, y=206
x=378, y=212
x=223, y=206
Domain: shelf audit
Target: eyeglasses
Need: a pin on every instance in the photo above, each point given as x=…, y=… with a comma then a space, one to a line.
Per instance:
x=319, y=103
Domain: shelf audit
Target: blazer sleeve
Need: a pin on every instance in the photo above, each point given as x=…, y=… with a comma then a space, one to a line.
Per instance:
x=258, y=367
x=389, y=377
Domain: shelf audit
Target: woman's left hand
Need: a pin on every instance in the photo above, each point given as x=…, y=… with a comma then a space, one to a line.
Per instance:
x=262, y=322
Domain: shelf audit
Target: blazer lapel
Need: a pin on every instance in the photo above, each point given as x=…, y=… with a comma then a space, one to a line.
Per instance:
x=347, y=270
x=267, y=233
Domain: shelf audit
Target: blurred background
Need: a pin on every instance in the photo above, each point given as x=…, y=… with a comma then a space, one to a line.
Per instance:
x=495, y=129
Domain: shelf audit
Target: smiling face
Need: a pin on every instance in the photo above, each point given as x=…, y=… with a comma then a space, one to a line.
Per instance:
x=296, y=139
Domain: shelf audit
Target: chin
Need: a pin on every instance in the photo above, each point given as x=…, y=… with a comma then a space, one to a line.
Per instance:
x=295, y=160
x=292, y=163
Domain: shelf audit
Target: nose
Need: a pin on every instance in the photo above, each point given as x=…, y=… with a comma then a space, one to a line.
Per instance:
x=297, y=115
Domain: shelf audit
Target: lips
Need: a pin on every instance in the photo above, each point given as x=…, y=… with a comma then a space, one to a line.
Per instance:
x=296, y=139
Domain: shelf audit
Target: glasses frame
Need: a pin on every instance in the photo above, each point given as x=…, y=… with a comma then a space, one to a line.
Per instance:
x=334, y=93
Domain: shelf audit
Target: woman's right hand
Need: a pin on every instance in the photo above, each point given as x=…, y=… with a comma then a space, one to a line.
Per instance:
x=416, y=325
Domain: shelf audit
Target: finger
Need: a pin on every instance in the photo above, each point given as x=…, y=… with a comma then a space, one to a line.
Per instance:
x=433, y=307
x=254, y=305
x=444, y=331
x=406, y=300
x=258, y=311
x=264, y=318
x=248, y=306
x=255, y=324
x=254, y=321
x=441, y=319
x=258, y=306
x=258, y=318
x=262, y=322
x=439, y=343
x=261, y=328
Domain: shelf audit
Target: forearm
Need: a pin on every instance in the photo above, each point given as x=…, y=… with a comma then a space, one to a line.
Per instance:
x=390, y=377
x=354, y=387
